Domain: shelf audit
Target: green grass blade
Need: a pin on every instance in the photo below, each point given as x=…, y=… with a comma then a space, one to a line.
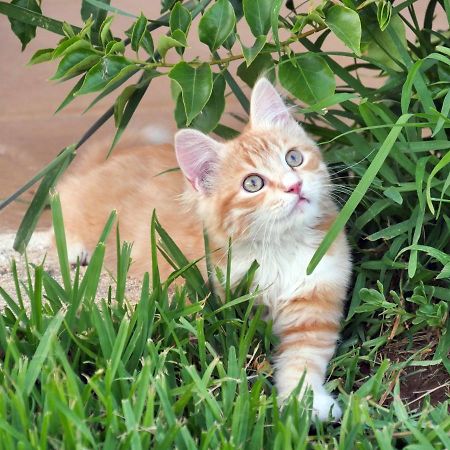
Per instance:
x=55, y=163
x=439, y=166
x=42, y=352
x=60, y=239
x=37, y=205
x=358, y=193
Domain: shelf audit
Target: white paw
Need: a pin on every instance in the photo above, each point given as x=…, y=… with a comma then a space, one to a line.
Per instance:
x=323, y=404
x=78, y=252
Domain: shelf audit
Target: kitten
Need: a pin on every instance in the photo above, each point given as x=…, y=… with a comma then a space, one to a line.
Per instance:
x=268, y=190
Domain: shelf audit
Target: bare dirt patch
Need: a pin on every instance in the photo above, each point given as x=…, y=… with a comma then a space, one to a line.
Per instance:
x=419, y=382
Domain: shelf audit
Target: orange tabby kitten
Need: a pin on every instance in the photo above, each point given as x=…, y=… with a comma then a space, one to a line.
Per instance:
x=268, y=190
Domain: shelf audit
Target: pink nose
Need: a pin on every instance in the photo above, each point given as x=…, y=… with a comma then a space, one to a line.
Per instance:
x=294, y=188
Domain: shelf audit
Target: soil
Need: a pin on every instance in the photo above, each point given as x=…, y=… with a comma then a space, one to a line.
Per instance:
x=419, y=382
x=37, y=252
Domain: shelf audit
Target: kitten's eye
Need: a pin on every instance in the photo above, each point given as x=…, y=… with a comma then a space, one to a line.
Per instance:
x=294, y=158
x=253, y=183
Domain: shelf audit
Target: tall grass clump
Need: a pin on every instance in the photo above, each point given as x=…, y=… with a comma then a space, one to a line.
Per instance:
x=177, y=368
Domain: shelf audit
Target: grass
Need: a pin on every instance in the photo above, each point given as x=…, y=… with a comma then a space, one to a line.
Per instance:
x=178, y=369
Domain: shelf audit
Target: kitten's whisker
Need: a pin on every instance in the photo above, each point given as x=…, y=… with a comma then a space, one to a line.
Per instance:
x=350, y=189
x=359, y=162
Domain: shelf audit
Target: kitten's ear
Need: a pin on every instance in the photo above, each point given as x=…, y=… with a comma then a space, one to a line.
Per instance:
x=267, y=107
x=196, y=155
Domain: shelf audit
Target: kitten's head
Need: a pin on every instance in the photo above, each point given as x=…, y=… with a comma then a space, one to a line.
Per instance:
x=267, y=180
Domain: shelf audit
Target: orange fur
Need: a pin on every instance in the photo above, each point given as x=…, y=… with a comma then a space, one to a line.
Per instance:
x=275, y=227
x=130, y=182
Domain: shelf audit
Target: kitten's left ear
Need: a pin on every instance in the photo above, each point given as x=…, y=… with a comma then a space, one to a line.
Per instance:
x=267, y=108
x=197, y=155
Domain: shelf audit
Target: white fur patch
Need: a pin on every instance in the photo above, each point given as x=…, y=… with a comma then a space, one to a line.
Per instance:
x=77, y=251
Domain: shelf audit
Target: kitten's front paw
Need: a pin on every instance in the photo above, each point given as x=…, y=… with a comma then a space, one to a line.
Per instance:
x=322, y=404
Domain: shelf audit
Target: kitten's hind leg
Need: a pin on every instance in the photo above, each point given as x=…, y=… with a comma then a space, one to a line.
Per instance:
x=77, y=251
x=308, y=327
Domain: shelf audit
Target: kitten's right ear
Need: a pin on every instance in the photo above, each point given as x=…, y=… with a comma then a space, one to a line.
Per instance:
x=196, y=155
x=267, y=108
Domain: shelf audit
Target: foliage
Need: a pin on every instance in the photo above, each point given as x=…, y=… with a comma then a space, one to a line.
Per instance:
x=387, y=147
x=179, y=370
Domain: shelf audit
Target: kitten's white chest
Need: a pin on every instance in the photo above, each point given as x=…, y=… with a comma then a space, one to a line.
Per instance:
x=282, y=276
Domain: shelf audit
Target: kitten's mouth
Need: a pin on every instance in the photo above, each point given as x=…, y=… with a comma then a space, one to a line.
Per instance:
x=299, y=204
x=301, y=201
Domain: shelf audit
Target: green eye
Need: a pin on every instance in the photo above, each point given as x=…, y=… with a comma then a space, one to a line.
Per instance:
x=253, y=183
x=294, y=158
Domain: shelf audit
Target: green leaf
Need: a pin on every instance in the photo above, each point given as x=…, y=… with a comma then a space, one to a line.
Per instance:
x=69, y=45
x=358, y=193
x=96, y=10
x=216, y=24
x=113, y=84
x=115, y=48
x=105, y=34
x=102, y=73
x=165, y=43
x=384, y=14
x=196, y=86
x=250, y=53
x=263, y=64
x=24, y=31
x=257, y=13
x=345, y=24
x=35, y=19
x=444, y=273
x=147, y=43
x=137, y=34
x=308, y=78
x=393, y=194
x=69, y=30
x=180, y=18
x=230, y=40
x=45, y=54
x=167, y=4
x=210, y=115
x=132, y=103
x=75, y=63
x=121, y=101
x=380, y=46
x=274, y=20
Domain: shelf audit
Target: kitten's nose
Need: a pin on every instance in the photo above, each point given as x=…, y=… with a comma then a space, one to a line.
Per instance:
x=294, y=188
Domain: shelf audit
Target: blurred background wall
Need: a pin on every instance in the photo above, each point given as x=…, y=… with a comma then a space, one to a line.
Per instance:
x=31, y=134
